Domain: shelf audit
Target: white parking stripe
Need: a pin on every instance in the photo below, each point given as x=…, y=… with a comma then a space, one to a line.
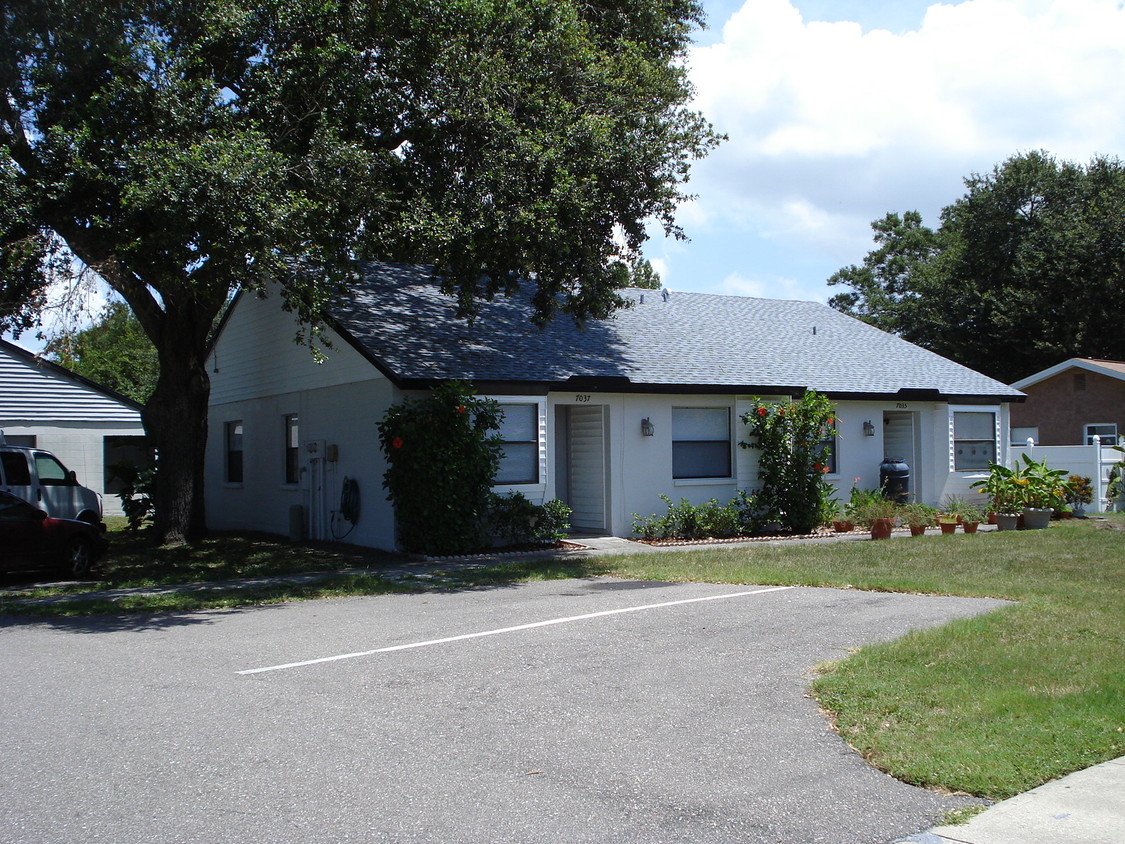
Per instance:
x=548, y=623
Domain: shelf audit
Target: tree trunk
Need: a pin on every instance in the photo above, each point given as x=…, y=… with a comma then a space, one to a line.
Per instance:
x=175, y=419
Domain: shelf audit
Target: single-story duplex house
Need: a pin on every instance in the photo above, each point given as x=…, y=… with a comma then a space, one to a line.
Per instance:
x=1071, y=402
x=88, y=427
x=607, y=416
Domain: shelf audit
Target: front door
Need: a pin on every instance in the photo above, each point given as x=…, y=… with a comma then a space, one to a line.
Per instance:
x=586, y=464
x=900, y=443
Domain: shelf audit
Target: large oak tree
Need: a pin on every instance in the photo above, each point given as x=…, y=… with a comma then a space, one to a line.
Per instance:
x=185, y=149
x=1026, y=269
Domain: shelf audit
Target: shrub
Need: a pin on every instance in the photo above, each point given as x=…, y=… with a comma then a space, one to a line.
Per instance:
x=517, y=520
x=791, y=437
x=442, y=454
x=135, y=492
x=689, y=521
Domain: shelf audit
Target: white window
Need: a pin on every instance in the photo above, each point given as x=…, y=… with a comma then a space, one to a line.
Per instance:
x=233, y=437
x=519, y=429
x=1106, y=430
x=701, y=442
x=974, y=440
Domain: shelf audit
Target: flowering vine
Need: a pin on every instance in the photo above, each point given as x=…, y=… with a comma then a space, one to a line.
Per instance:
x=794, y=458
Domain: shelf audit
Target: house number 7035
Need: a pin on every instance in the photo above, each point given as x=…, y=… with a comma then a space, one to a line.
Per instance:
x=581, y=398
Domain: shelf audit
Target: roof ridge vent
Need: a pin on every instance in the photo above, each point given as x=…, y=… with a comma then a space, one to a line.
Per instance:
x=665, y=294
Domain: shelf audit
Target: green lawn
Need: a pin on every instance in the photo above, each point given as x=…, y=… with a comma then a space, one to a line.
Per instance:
x=991, y=706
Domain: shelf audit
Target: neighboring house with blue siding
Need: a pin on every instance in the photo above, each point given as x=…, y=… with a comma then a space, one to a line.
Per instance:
x=88, y=427
x=607, y=416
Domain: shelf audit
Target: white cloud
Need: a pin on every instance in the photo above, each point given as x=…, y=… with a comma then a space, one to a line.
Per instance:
x=832, y=126
x=776, y=287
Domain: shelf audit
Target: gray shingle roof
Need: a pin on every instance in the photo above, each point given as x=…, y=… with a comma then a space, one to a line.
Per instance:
x=691, y=341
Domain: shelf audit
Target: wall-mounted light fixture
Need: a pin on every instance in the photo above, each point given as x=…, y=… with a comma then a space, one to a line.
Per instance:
x=869, y=428
x=647, y=428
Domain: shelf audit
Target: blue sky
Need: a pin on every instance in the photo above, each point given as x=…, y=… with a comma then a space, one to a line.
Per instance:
x=839, y=111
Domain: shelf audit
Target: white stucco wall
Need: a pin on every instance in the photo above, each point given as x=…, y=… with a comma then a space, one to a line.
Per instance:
x=259, y=375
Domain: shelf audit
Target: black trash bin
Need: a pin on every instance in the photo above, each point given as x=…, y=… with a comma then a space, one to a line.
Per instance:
x=894, y=479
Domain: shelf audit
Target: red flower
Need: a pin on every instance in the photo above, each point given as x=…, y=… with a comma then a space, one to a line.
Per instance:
x=824, y=469
x=396, y=442
x=762, y=412
x=460, y=408
x=818, y=466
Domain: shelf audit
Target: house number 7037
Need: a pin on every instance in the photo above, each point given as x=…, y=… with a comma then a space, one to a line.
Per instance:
x=581, y=398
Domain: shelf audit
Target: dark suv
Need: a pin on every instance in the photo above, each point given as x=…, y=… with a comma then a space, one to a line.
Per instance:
x=29, y=538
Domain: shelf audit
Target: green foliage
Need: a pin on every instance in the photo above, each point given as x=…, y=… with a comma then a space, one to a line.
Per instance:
x=1004, y=494
x=1079, y=490
x=114, y=353
x=183, y=151
x=876, y=507
x=790, y=437
x=1116, y=487
x=917, y=514
x=859, y=501
x=1031, y=484
x=637, y=273
x=1035, y=236
x=518, y=520
x=442, y=455
x=135, y=492
x=685, y=520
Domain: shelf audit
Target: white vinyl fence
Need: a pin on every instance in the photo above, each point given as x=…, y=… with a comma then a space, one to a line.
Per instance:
x=1089, y=461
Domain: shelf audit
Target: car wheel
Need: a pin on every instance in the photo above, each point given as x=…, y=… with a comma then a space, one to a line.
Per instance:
x=79, y=558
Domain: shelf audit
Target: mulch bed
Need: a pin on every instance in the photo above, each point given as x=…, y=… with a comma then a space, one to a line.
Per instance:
x=771, y=537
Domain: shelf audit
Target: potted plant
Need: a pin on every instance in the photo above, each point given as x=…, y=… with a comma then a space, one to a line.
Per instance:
x=1043, y=492
x=832, y=513
x=950, y=516
x=858, y=501
x=971, y=517
x=918, y=516
x=1005, y=496
x=878, y=515
x=1079, y=493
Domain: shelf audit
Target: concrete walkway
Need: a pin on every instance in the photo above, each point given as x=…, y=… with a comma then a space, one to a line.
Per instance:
x=1087, y=807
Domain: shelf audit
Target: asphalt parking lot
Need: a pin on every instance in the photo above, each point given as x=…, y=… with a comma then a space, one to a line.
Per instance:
x=571, y=711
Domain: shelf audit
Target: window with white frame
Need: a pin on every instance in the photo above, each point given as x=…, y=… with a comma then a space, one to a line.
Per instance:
x=233, y=439
x=1107, y=431
x=701, y=442
x=974, y=440
x=519, y=428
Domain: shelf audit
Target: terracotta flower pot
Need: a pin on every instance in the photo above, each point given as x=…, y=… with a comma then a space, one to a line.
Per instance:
x=948, y=527
x=970, y=527
x=917, y=530
x=881, y=528
x=842, y=526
